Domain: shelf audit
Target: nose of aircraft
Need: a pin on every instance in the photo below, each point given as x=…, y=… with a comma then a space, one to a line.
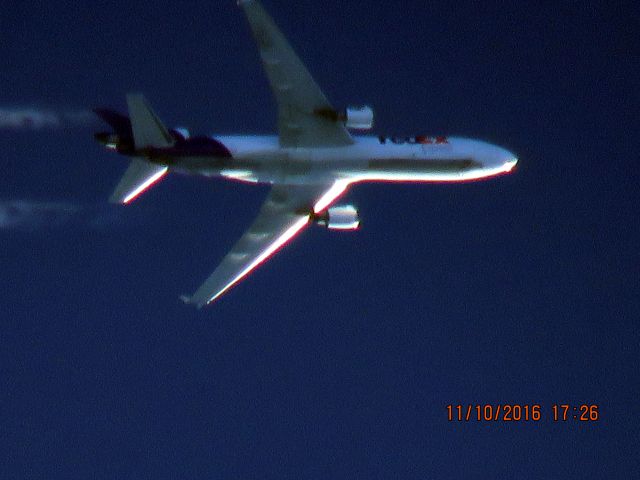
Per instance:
x=509, y=160
x=510, y=163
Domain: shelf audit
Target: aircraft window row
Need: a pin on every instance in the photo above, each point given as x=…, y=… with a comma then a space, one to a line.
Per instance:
x=418, y=139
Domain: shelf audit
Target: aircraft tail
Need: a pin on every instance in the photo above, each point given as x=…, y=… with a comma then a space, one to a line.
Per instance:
x=148, y=133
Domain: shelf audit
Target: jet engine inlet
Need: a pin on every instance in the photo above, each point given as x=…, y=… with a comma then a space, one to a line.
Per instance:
x=343, y=217
x=359, y=118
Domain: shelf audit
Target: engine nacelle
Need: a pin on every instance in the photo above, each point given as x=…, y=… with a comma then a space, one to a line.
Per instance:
x=359, y=118
x=180, y=133
x=108, y=139
x=343, y=217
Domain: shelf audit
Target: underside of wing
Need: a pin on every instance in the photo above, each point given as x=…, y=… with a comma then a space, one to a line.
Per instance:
x=286, y=212
x=304, y=113
x=139, y=177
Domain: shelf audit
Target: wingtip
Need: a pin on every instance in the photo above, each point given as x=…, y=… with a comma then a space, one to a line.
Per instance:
x=188, y=300
x=134, y=95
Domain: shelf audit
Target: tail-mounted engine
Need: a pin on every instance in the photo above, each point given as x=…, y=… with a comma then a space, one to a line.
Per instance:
x=180, y=133
x=358, y=118
x=343, y=217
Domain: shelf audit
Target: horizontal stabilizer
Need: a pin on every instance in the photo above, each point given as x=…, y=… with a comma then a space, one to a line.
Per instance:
x=120, y=123
x=139, y=176
x=148, y=130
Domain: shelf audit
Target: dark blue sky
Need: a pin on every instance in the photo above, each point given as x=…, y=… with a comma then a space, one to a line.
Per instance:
x=337, y=359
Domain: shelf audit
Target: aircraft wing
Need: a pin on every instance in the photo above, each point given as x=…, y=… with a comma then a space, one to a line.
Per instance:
x=285, y=213
x=305, y=116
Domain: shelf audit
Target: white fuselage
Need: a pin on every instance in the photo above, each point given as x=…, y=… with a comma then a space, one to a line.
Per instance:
x=370, y=158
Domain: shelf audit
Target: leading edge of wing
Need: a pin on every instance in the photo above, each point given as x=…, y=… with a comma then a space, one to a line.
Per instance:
x=233, y=268
x=137, y=178
x=278, y=222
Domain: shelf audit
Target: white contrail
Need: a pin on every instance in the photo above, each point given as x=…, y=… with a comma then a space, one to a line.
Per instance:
x=27, y=214
x=32, y=118
x=36, y=215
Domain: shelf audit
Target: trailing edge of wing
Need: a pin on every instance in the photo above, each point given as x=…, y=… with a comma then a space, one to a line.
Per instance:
x=139, y=176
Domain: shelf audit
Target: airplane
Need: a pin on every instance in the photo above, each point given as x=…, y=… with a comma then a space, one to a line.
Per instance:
x=310, y=164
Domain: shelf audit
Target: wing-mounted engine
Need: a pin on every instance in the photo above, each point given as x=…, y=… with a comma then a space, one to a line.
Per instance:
x=358, y=118
x=343, y=217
